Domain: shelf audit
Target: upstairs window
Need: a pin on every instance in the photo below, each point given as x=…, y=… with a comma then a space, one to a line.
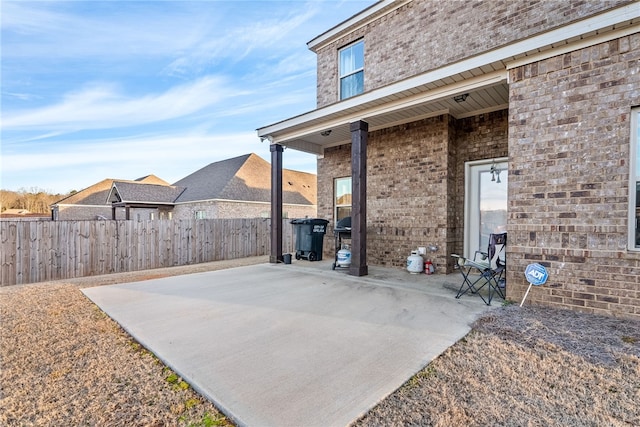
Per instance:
x=634, y=182
x=352, y=70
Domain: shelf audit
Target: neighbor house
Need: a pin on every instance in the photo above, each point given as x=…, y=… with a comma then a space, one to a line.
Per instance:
x=142, y=201
x=241, y=188
x=440, y=122
x=94, y=202
x=234, y=188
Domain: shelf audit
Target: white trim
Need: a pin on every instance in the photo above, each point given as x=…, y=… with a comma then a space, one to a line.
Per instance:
x=567, y=32
x=342, y=49
x=353, y=72
x=633, y=152
x=378, y=94
x=335, y=192
x=570, y=47
x=493, y=78
x=361, y=19
x=471, y=196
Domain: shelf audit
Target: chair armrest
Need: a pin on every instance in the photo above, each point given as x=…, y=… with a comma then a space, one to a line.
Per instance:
x=482, y=266
x=460, y=260
x=483, y=255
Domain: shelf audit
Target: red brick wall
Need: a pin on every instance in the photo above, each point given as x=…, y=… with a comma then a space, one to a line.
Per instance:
x=569, y=135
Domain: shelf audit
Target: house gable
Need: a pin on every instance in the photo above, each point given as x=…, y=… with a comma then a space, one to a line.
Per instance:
x=99, y=193
x=137, y=192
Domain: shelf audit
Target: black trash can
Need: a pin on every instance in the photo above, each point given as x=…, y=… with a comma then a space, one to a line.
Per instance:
x=309, y=237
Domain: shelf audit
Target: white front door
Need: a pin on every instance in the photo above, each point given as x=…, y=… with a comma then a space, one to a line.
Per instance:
x=485, y=203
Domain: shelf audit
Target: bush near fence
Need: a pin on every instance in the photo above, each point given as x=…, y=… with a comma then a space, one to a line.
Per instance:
x=37, y=251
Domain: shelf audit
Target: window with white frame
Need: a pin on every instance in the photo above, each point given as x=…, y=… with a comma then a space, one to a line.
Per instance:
x=352, y=70
x=342, y=198
x=200, y=215
x=634, y=182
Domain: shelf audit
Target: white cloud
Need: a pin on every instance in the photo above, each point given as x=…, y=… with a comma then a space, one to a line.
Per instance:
x=89, y=88
x=62, y=30
x=102, y=106
x=239, y=41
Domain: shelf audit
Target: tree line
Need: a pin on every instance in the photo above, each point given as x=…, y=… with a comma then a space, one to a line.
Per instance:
x=34, y=200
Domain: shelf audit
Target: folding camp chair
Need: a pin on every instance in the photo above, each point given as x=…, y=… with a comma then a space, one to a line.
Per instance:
x=487, y=269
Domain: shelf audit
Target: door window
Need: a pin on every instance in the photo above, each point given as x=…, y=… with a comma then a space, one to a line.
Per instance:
x=486, y=203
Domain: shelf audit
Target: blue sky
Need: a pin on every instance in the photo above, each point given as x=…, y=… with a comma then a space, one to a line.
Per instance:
x=122, y=89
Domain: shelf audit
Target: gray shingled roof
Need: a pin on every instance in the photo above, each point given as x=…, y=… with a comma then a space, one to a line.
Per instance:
x=243, y=178
x=147, y=193
x=246, y=178
x=98, y=193
x=209, y=182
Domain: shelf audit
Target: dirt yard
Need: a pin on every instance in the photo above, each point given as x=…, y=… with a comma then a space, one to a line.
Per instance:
x=64, y=362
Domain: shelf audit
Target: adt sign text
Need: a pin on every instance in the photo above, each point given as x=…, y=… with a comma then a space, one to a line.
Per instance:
x=536, y=274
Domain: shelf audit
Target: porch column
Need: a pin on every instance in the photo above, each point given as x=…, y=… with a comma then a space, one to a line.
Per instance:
x=276, y=203
x=359, y=136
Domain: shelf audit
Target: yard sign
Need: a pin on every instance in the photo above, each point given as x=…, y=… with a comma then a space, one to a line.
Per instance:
x=536, y=275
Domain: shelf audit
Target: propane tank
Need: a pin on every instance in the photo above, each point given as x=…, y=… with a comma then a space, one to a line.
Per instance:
x=344, y=257
x=428, y=267
x=415, y=263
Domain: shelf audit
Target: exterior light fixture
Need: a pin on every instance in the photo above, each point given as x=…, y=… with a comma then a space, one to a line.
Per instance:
x=495, y=173
x=461, y=98
x=326, y=132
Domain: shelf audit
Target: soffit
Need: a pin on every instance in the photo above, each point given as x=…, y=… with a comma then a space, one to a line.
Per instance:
x=486, y=92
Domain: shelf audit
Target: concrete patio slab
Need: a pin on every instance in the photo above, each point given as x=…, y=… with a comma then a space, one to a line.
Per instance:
x=292, y=345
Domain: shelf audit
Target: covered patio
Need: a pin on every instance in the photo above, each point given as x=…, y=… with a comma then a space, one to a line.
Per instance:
x=458, y=92
x=471, y=88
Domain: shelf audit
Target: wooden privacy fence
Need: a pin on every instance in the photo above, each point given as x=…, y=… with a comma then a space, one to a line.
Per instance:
x=37, y=251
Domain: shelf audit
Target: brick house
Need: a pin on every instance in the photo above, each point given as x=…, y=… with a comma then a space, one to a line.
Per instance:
x=233, y=188
x=142, y=201
x=240, y=188
x=93, y=202
x=445, y=121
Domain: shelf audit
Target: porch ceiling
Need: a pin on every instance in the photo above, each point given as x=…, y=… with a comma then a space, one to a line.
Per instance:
x=485, y=93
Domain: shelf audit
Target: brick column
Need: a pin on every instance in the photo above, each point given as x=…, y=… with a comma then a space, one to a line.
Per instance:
x=359, y=136
x=276, y=204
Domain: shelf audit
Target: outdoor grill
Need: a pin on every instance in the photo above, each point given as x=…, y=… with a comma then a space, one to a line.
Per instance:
x=342, y=231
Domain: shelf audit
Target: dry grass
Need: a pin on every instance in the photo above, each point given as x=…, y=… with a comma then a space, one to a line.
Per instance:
x=527, y=367
x=63, y=362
